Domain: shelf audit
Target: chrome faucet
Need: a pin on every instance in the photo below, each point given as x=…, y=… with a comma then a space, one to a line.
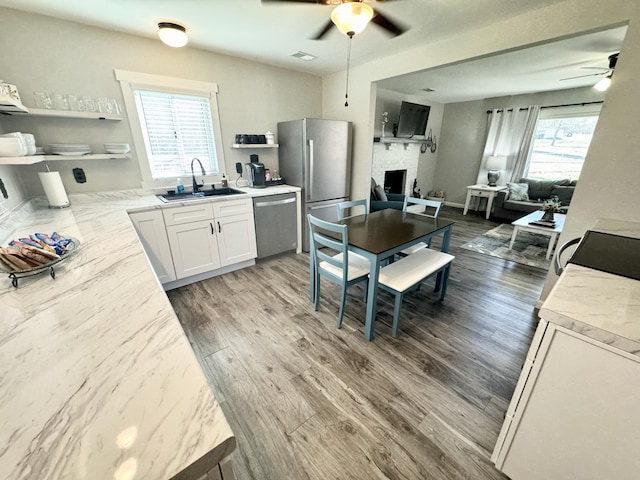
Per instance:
x=197, y=186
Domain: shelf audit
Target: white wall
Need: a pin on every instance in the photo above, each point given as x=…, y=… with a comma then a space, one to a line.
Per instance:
x=43, y=53
x=422, y=165
x=609, y=179
x=464, y=130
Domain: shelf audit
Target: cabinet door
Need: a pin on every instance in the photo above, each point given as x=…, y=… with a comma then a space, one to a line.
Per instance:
x=194, y=248
x=579, y=416
x=236, y=238
x=153, y=236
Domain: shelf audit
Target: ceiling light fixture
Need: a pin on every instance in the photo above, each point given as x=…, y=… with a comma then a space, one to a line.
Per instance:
x=351, y=18
x=603, y=84
x=172, y=34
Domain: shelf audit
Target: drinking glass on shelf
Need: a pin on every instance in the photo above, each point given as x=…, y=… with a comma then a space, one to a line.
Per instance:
x=43, y=100
x=74, y=103
x=104, y=105
x=60, y=102
x=89, y=103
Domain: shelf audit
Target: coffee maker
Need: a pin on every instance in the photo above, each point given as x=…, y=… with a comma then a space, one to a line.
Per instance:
x=255, y=173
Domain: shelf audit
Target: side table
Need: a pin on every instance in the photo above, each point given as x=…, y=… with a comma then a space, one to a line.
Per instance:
x=482, y=191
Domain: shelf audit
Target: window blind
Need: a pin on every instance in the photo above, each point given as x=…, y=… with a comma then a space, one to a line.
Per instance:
x=176, y=129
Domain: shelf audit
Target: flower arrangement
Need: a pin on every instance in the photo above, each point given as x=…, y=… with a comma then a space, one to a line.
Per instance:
x=553, y=204
x=385, y=120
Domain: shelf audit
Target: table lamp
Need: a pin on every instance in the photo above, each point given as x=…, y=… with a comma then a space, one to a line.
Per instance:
x=495, y=165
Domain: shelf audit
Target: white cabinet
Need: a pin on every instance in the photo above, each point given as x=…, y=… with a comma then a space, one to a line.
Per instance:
x=194, y=248
x=207, y=236
x=152, y=234
x=575, y=413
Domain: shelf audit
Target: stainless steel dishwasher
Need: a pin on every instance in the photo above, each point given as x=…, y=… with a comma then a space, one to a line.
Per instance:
x=276, y=223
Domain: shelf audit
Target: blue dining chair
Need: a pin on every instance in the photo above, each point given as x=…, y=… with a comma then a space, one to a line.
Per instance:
x=344, y=268
x=342, y=206
x=431, y=209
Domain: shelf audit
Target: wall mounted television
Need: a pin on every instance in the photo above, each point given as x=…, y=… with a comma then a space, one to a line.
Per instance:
x=412, y=119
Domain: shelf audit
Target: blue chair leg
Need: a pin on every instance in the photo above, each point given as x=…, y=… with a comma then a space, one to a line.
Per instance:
x=316, y=295
x=438, y=282
x=312, y=287
x=343, y=299
x=396, y=313
x=445, y=278
x=366, y=290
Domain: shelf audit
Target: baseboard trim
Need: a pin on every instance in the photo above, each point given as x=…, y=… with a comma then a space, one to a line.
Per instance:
x=203, y=276
x=455, y=205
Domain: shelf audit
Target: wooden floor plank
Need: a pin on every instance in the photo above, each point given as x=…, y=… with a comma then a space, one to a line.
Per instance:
x=308, y=401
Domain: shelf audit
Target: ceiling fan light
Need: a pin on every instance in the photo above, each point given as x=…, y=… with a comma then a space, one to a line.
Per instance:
x=603, y=84
x=351, y=18
x=172, y=34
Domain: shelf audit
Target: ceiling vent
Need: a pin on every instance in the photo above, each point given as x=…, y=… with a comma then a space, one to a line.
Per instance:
x=307, y=57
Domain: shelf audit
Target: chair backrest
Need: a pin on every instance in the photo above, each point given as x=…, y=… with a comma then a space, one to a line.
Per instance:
x=431, y=207
x=342, y=206
x=318, y=240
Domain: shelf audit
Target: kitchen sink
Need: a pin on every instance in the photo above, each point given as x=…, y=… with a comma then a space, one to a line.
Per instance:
x=183, y=197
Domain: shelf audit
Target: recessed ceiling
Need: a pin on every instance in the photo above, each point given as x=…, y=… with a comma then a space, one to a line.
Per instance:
x=536, y=69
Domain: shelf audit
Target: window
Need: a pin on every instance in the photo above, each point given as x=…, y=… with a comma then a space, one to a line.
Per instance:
x=176, y=128
x=172, y=121
x=560, y=144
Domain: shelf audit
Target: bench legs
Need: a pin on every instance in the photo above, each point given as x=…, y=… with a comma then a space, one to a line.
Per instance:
x=441, y=285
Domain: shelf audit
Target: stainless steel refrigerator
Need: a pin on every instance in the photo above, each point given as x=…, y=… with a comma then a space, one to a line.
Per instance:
x=315, y=155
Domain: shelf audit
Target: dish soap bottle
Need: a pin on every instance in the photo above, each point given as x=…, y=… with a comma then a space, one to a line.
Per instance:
x=225, y=182
x=179, y=186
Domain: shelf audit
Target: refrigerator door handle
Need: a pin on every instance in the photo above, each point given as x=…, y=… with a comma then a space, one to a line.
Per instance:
x=310, y=194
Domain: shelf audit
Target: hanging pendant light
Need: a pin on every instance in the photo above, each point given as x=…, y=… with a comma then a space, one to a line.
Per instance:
x=172, y=34
x=351, y=18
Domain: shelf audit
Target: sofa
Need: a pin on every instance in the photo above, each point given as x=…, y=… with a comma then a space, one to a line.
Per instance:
x=506, y=206
x=380, y=200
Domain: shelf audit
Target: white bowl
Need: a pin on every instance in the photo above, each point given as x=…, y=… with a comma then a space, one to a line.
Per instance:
x=117, y=147
x=13, y=148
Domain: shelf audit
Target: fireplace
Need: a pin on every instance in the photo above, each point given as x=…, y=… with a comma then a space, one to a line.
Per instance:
x=394, y=181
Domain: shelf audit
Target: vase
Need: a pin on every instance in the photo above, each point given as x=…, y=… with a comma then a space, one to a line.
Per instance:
x=547, y=216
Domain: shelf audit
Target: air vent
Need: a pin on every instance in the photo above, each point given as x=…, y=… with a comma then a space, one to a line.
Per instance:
x=307, y=57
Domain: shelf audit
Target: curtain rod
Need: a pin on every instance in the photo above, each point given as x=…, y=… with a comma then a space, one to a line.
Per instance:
x=550, y=106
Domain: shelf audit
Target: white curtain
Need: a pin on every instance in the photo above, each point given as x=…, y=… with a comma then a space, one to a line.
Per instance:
x=509, y=134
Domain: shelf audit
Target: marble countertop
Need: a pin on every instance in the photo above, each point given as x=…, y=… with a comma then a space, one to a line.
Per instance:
x=97, y=379
x=600, y=305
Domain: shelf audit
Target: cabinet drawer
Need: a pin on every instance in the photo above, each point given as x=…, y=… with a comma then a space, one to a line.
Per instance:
x=232, y=207
x=480, y=193
x=191, y=213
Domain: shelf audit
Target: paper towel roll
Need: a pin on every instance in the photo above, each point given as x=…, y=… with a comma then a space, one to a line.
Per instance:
x=54, y=189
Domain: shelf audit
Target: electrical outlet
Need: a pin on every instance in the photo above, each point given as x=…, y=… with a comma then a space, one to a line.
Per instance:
x=79, y=175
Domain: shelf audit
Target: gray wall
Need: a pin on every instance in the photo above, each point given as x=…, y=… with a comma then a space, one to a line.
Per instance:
x=464, y=130
x=47, y=54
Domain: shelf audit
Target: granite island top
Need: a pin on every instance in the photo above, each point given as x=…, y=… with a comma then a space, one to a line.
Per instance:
x=600, y=305
x=97, y=378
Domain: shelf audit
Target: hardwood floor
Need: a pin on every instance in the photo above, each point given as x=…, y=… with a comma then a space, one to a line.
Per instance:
x=308, y=401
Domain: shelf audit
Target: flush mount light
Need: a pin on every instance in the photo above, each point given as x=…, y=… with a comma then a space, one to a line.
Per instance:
x=172, y=34
x=352, y=17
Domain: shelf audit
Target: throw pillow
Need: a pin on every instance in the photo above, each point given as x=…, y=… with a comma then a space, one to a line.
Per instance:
x=380, y=194
x=518, y=191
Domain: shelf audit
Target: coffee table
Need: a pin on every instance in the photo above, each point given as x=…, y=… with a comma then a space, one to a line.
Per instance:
x=524, y=224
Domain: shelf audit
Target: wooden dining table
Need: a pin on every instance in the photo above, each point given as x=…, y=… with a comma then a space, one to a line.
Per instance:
x=380, y=235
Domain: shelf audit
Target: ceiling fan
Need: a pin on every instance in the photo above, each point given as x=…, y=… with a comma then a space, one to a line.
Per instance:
x=607, y=71
x=351, y=17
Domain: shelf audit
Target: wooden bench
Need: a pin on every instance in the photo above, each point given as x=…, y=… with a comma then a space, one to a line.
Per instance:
x=409, y=272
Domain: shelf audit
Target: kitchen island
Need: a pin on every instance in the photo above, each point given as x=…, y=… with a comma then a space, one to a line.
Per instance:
x=97, y=379
x=575, y=412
